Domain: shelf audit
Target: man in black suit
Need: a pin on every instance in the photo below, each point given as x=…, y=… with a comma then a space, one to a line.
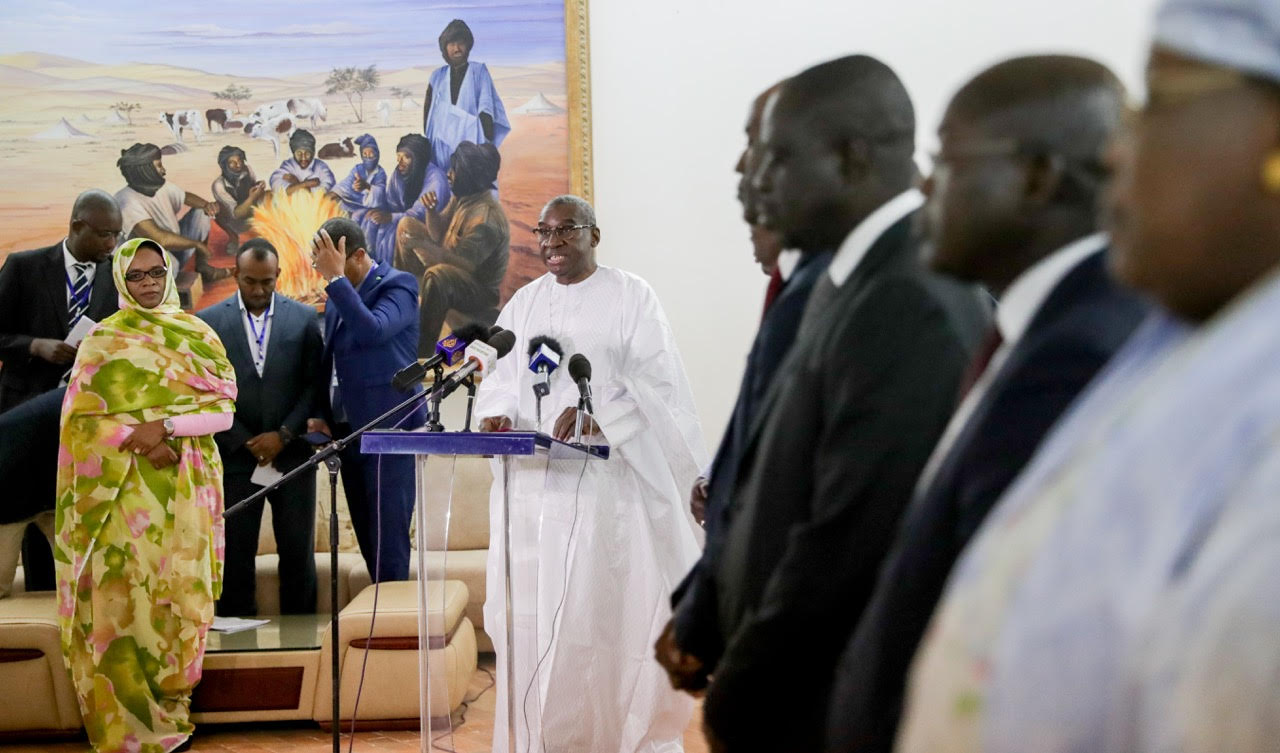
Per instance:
x=1012, y=204
x=43, y=293
x=28, y=475
x=860, y=400
x=274, y=344
x=693, y=603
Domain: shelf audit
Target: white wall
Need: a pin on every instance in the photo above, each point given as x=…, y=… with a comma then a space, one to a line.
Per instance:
x=671, y=84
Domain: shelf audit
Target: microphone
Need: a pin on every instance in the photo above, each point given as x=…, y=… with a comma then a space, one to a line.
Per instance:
x=544, y=357
x=449, y=351
x=481, y=358
x=580, y=373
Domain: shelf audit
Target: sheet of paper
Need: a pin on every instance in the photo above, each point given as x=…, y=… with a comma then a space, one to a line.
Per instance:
x=236, y=624
x=265, y=475
x=79, y=331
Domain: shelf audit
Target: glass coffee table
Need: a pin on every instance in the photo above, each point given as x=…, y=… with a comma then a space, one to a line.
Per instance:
x=267, y=673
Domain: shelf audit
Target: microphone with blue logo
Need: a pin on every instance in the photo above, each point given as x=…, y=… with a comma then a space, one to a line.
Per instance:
x=544, y=357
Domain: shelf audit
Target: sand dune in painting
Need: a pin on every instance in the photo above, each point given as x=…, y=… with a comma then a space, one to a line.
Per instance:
x=38, y=90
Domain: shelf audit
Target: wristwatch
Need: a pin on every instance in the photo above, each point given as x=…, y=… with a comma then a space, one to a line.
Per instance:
x=286, y=436
x=333, y=279
x=168, y=427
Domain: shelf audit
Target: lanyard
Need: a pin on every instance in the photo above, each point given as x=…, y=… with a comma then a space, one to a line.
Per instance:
x=260, y=337
x=80, y=297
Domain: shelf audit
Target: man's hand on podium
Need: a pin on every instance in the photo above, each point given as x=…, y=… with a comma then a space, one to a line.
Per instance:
x=568, y=420
x=495, y=423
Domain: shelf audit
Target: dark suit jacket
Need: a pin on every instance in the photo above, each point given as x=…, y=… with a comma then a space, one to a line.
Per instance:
x=29, y=456
x=285, y=394
x=370, y=334
x=694, y=600
x=33, y=304
x=1078, y=327
x=863, y=395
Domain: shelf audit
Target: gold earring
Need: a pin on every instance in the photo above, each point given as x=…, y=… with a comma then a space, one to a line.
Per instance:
x=1271, y=172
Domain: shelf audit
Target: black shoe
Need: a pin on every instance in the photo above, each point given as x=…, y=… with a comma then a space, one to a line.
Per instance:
x=186, y=745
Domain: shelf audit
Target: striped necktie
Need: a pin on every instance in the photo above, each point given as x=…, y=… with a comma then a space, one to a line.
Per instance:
x=80, y=288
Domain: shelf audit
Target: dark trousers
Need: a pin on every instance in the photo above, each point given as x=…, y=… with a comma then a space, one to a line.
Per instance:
x=293, y=519
x=381, y=506
x=37, y=557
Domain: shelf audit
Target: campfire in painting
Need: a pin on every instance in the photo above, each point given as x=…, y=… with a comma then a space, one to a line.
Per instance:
x=289, y=222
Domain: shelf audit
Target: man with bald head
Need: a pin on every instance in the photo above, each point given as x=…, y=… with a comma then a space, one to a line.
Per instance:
x=869, y=384
x=1121, y=595
x=692, y=626
x=1013, y=205
x=44, y=293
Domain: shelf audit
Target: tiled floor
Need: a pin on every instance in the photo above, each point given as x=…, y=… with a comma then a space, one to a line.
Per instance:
x=471, y=735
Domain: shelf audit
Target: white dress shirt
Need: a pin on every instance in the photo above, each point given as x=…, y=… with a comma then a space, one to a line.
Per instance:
x=69, y=263
x=257, y=330
x=859, y=242
x=1017, y=307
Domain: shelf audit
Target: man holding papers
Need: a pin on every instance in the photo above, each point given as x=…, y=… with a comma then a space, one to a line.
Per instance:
x=46, y=296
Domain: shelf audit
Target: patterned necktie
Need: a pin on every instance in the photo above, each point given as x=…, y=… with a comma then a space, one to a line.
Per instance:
x=80, y=293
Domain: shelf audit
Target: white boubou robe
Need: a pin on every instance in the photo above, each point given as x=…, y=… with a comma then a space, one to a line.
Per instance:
x=597, y=546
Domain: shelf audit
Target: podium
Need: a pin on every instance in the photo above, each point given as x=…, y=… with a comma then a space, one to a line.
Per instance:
x=436, y=453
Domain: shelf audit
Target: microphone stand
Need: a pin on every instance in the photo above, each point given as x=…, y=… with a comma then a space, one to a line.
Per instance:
x=582, y=411
x=471, y=399
x=433, y=406
x=329, y=455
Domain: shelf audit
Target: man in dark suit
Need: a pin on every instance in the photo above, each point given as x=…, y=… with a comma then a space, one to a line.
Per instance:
x=28, y=475
x=678, y=646
x=274, y=344
x=839, y=441
x=370, y=332
x=1012, y=205
x=43, y=294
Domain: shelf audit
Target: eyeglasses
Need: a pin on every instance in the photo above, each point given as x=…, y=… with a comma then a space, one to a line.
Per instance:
x=155, y=273
x=564, y=232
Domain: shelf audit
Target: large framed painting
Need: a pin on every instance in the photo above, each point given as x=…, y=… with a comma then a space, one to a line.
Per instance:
x=254, y=119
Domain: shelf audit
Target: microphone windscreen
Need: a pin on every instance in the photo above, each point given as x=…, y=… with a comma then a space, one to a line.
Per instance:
x=536, y=344
x=503, y=342
x=579, y=367
x=495, y=329
x=471, y=332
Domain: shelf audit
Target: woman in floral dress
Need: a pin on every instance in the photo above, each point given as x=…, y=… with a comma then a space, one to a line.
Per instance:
x=139, y=527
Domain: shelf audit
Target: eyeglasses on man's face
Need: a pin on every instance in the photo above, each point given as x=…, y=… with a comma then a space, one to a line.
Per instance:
x=563, y=232
x=155, y=273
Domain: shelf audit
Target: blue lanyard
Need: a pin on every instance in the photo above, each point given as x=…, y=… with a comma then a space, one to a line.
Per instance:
x=261, y=337
x=82, y=297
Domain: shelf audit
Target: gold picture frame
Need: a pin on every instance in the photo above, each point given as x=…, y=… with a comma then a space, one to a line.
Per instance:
x=577, y=56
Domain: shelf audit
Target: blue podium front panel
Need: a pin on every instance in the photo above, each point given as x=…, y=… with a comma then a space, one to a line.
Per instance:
x=475, y=443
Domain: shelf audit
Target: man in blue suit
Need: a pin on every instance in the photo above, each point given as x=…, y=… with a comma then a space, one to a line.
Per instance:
x=1012, y=203
x=370, y=332
x=274, y=344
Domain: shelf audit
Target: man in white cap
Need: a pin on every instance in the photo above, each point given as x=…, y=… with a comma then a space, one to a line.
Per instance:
x=1122, y=594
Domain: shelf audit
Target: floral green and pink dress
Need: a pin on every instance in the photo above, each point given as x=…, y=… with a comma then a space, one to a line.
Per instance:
x=139, y=549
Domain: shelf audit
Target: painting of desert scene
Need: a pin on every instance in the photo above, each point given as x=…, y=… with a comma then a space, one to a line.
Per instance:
x=79, y=85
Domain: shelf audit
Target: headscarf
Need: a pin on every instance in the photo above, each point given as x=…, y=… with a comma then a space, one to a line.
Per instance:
x=238, y=184
x=369, y=165
x=475, y=168
x=302, y=139
x=456, y=31
x=1238, y=34
x=137, y=166
x=402, y=191
x=140, y=365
